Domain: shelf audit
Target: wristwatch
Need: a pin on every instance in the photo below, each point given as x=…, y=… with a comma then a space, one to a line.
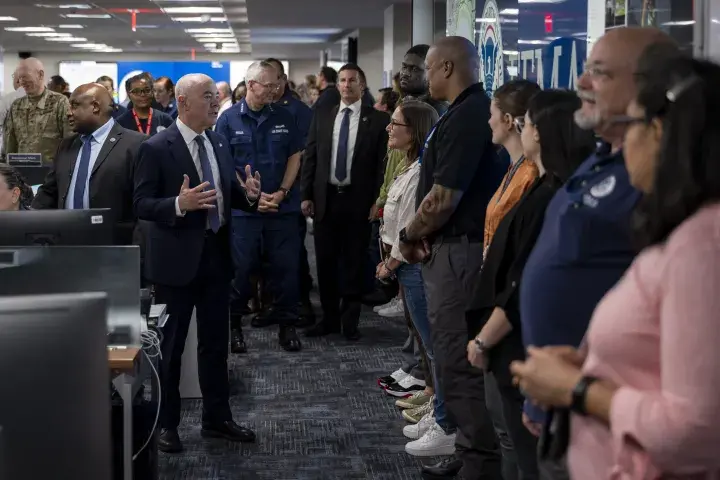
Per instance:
x=285, y=192
x=480, y=345
x=579, y=395
x=403, y=236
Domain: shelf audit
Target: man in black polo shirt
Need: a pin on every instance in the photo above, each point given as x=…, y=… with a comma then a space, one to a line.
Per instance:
x=460, y=173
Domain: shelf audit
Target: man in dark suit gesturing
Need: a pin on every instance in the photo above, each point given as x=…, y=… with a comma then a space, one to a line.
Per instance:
x=341, y=178
x=185, y=187
x=94, y=167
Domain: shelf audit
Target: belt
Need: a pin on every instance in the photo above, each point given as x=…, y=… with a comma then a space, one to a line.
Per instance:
x=339, y=188
x=465, y=237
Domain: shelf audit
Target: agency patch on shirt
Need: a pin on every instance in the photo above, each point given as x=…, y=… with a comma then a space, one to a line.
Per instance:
x=604, y=188
x=279, y=129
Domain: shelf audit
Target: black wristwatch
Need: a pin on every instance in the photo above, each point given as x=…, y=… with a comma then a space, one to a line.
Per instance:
x=403, y=236
x=579, y=394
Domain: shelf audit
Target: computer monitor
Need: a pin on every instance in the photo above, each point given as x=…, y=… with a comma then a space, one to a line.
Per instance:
x=56, y=227
x=55, y=407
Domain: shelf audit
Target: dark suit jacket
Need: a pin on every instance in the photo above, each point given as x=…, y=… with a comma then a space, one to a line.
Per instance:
x=499, y=284
x=368, y=161
x=329, y=98
x=174, y=245
x=111, y=179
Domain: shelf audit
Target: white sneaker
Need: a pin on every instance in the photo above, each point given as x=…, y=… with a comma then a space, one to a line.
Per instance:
x=413, y=432
x=435, y=442
x=405, y=387
x=393, y=378
x=377, y=308
x=396, y=309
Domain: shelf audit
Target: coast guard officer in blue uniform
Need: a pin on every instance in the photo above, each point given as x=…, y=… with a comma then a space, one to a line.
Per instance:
x=284, y=98
x=267, y=138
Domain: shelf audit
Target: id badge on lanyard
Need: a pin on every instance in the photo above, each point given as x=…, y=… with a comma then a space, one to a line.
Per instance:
x=429, y=137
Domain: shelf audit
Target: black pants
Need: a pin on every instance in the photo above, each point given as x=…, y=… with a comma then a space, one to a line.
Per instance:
x=519, y=446
x=341, y=239
x=304, y=270
x=450, y=276
x=208, y=293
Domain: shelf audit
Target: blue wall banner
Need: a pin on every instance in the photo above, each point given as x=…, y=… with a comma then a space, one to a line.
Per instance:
x=545, y=42
x=218, y=71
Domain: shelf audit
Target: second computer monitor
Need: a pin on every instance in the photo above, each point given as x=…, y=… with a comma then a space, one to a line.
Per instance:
x=55, y=409
x=56, y=227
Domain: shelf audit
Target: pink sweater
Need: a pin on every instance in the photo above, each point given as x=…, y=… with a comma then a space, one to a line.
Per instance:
x=657, y=336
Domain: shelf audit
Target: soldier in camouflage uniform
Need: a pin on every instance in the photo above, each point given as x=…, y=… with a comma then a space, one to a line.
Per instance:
x=37, y=122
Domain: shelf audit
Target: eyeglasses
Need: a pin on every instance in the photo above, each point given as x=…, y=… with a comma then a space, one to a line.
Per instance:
x=141, y=91
x=519, y=123
x=394, y=124
x=597, y=72
x=271, y=86
x=626, y=120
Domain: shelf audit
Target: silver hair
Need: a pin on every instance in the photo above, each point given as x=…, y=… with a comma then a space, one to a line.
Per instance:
x=187, y=82
x=256, y=69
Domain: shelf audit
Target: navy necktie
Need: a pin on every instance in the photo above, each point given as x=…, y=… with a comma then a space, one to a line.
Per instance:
x=83, y=170
x=342, y=147
x=213, y=214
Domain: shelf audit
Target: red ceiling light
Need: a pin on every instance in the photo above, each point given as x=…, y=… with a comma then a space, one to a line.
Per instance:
x=133, y=20
x=192, y=54
x=548, y=23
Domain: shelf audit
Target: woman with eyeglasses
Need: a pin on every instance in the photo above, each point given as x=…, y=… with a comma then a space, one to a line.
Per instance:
x=141, y=116
x=507, y=116
x=15, y=193
x=644, y=392
x=556, y=146
x=433, y=434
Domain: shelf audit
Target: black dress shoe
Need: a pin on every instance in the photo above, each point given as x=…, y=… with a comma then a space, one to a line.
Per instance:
x=321, y=329
x=447, y=468
x=289, y=340
x=169, y=441
x=350, y=319
x=228, y=430
x=306, y=315
x=237, y=341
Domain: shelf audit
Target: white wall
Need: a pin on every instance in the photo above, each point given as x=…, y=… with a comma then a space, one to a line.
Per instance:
x=370, y=56
x=298, y=69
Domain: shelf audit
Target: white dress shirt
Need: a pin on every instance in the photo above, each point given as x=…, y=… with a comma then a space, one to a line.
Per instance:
x=400, y=208
x=189, y=136
x=97, y=141
x=354, y=122
x=6, y=102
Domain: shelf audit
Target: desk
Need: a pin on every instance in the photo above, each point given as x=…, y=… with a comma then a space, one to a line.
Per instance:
x=124, y=366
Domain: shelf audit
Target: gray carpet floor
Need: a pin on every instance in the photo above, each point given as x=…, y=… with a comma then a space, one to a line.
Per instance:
x=318, y=414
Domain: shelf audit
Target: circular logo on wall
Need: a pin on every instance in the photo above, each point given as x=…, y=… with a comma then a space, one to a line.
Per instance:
x=490, y=47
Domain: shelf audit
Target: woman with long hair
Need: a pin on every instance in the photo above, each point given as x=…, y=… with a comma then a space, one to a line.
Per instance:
x=644, y=391
x=556, y=146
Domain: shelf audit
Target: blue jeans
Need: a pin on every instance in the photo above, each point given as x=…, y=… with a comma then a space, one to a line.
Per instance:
x=411, y=281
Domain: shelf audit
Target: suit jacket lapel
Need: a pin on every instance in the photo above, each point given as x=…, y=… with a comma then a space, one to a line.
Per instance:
x=363, y=127
x=114, y=137
x=73, y=151
x=179, y=150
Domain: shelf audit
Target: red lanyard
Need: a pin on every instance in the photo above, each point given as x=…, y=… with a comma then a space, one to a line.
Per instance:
x=137, y=122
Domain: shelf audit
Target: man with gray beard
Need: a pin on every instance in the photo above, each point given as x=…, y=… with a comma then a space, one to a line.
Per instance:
x=585, y=246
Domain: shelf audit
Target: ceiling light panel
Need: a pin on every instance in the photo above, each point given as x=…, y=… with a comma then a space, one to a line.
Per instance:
x=8, y=19
x=66, y=39
x=48, y=34
x=208, y=30
x=88, y=15
x=70, y=25
x=29, y=29
x=75, y=6
x=192, y=10
x=201, y=19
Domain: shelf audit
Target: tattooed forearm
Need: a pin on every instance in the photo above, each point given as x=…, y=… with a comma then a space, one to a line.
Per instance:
x=435, y=210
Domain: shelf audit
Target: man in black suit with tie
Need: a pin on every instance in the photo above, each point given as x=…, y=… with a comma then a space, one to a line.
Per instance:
x=185, y=187
x=341, y=177
x=94, y=167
